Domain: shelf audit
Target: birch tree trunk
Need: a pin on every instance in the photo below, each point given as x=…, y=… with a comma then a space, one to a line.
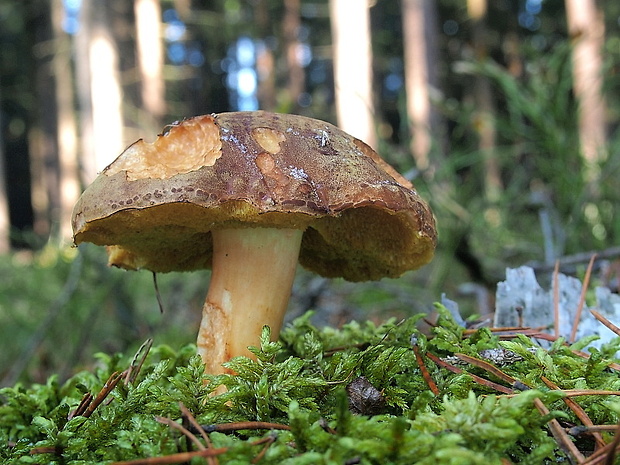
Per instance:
x=352, y=54
x=587, y=31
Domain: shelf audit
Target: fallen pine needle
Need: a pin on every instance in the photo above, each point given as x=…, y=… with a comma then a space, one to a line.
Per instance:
x=564, y=441
x=487, y=367
x=477, y=379
x=606, y=322
x=174, y=425
x=556, y=300
x=174, y=458
x=224, y=427
x=577, y=410
x=582, y=299
x=425, y=374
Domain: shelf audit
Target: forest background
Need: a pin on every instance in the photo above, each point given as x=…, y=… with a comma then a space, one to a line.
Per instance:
x=504, y=114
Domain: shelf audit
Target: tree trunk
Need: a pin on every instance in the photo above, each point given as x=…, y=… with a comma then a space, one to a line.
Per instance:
x=81, y=41
x=265, y=59
x=484, y=123
x=419, y=30
x=587, y=31
x=99, y=88
x=42, y=137
x=352, y=55
x=5, y=220
x=66, y=125
x=290, y=27
x=151, y=63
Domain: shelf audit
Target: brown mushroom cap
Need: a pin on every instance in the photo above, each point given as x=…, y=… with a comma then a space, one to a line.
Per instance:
x=157, y=202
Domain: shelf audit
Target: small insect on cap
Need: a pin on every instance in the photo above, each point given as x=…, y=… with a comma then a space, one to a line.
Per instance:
x=157, y=203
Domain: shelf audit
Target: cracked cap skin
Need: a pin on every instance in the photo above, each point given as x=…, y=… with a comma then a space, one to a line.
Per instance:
x=156, y=205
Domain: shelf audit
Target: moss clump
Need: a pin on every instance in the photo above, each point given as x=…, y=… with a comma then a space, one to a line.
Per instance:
x=353, y=395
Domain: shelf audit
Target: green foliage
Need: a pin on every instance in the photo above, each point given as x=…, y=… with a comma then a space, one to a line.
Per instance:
x=303, y=381
x=537, y=152
x=59, y=306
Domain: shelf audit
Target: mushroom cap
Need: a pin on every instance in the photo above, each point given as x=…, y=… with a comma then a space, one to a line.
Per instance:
x=157, y=203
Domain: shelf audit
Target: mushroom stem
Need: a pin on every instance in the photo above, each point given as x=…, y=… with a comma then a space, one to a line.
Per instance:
x=253, y=272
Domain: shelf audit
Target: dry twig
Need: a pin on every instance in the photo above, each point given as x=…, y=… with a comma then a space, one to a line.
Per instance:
x=577, y=410
x=136, y=364
x=425, y=374
x=582, y=299
x=477, y=379
x=606, y=322
x=250, y=425
x=564, y=441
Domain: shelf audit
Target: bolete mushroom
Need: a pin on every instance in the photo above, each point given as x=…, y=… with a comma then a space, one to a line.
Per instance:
x=247, y=194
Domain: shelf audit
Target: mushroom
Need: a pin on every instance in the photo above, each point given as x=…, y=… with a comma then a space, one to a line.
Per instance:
x=248, y=194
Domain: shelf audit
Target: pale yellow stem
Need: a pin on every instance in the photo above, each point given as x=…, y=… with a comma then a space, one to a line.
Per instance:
x=253, y=272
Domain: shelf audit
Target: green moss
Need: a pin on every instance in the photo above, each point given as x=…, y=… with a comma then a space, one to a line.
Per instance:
x=304, y=381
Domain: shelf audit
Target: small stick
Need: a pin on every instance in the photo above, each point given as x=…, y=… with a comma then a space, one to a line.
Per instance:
x=477, y=379
x=577, y=410
x=519, y=310
x=582, y=299
x=157, y=294
x=588, y=392
x=577, y=430
x=135, y=366
x=108, y=387
x=605, y=321
x=328, y=429
x=611, y=365
x=487, y=367
x=501, y=329
x=614, y=447
x=252, y=425
x=560, y=435
x=556, y=300
x=174, y=425
x=261, y=454
x=84, y=403
x=192, y=421
x=425, y=374
x=181, y=457
x=606, y=454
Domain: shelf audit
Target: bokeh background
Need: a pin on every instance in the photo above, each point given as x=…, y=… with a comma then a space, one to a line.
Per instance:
x=504, y=114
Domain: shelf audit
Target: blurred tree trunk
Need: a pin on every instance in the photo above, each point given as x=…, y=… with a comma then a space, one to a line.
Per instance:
x=291, y=24
x=5, y=220
x=352, y=55
x=99, y=89
x=484, y=119
x=53, y=140
x=587, y=31
x=151, y=63
x=265, y=59
x=88, y=171
x=66, y=123
x=420, y=52
x=43, y=134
